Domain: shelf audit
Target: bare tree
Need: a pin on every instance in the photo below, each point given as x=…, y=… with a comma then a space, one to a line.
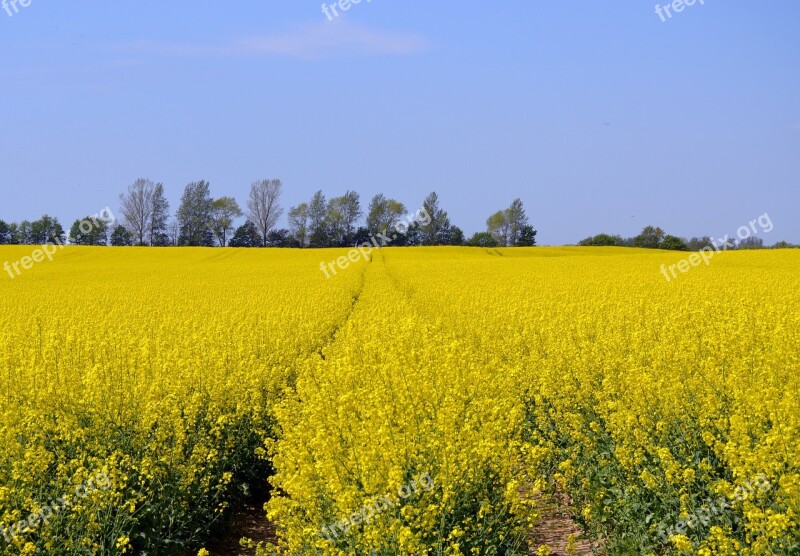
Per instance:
x=263, y=208
x=173, y=232
x=298, y=223
x=137, y=208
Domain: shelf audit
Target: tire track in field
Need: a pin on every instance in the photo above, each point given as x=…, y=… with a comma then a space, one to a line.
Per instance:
x=556, y=524
x=250, y=520
x=331, y=338
x=555, y=527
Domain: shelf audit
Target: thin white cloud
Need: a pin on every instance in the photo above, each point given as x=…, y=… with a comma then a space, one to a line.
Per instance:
x=323, y=40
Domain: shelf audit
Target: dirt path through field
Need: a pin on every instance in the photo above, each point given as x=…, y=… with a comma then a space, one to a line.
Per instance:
x=249, y=521
x=554, y=530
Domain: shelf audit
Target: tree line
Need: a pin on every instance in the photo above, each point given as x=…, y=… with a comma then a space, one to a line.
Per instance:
x=653, y=237
x=204, y=221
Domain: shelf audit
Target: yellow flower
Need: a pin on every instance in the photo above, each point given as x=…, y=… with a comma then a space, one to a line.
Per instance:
x=454, y=386
x=123, y=543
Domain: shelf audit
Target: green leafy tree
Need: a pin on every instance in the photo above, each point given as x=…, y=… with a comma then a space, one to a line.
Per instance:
x=317, y=221
x=410, y=237
x=362, y=236
x=455, y=236
x=673, y=243
x=483, y=239
x=650, y=238
x=751, y=243
x=506, y=225
x=246, y=235
x=383, y=214
x=298, y=224
x=527, y=236
x=223, y=213
x=158, y=233
x=121, y=237
x=280, y=238
x=602, y=240
x=5, y=233
x=46, y=230
x=21, y=233
x=498, y=226
x=437, y=230
x=195, y=216
x=517, y=221
x=89, y=231
x=699, y=243
x=342, y=218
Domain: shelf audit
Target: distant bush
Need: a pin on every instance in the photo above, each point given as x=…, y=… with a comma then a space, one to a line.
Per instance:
x=674, y=243
x=603, y=240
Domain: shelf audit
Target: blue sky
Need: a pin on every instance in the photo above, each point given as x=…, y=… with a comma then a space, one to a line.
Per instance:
x=600, y=116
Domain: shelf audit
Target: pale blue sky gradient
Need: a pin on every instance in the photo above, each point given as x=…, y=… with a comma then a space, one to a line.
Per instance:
x=598, y=115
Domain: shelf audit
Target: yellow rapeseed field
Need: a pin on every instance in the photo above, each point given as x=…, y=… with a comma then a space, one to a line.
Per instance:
x=424, y=401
